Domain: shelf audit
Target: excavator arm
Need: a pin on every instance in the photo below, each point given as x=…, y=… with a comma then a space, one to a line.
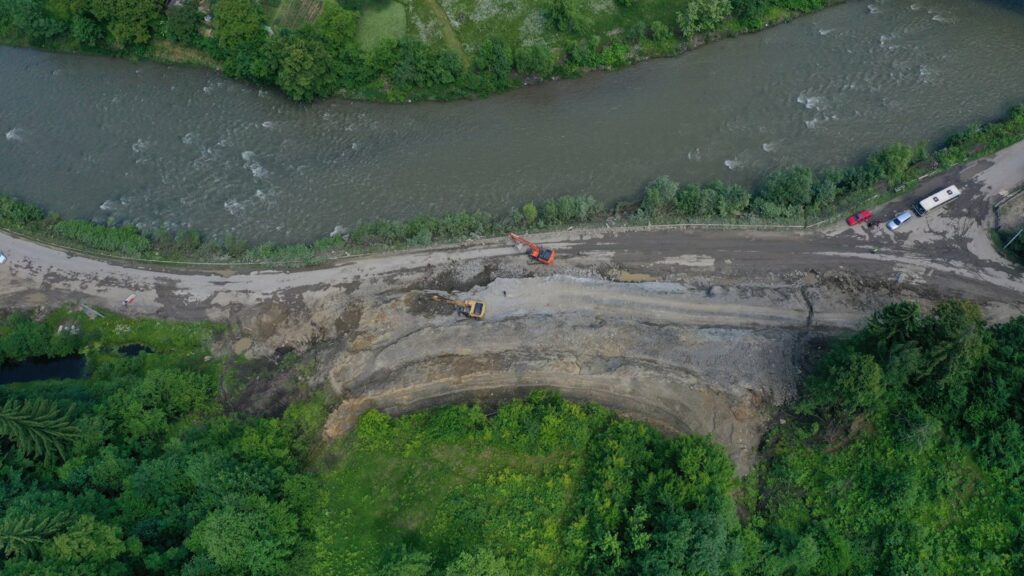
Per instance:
x=538, y=253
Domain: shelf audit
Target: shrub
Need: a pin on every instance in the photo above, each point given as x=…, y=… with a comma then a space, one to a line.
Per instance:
x=660, y=32
x=583, y=53
x=615, y=56
x=529, y=213
x=494, y=62
x=16, y=214
x=658, y=196
x=892, y=163
x=701, y=16
x=125, y=240
x=535, y=60
x=568, y=16
x=789, y=187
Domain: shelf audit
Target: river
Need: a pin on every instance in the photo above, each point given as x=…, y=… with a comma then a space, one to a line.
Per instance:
x=157, y=145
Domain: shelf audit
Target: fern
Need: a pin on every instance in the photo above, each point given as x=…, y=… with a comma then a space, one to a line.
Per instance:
x=37, y=427
x=21, y=535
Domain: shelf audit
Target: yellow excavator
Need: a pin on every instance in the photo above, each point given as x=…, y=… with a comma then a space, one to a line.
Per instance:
x=474, y=309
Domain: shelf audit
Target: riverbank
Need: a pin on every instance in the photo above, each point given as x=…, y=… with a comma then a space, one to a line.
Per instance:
x=794, y=198
x=433, y=51
x=603, y=324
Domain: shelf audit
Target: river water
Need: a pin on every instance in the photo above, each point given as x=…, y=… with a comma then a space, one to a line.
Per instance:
x=159, y=145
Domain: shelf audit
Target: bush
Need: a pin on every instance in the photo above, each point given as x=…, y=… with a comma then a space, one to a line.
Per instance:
x=17, y=214
x=494, y=62
x=791, y=187
x=125, y=240
x=615, y=56
x=892, y=163
x=583, y=53
x=535, y=60
x=568, y=16
x=183, y=22
x=660, y=32
x=659, y=196
x=529, y=213
x=702, y=16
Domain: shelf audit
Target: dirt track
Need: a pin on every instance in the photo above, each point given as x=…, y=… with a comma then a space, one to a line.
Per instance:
x=694, y=330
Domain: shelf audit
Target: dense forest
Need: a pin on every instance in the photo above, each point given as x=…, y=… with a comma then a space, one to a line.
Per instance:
x=904, y=456
x=387, y=49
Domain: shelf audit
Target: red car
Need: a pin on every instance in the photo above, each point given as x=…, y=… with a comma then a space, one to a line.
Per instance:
x=858, y=217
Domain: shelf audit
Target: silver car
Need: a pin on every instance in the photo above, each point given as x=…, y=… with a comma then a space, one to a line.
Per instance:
x=899, y=219
x=3, y=258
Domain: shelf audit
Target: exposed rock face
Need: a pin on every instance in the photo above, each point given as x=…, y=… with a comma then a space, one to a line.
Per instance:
x=659, y=352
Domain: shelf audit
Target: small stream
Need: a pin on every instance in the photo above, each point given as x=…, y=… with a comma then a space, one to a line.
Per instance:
x=35, y=369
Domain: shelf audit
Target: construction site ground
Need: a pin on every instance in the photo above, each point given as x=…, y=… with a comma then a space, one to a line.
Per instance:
x=695, y=330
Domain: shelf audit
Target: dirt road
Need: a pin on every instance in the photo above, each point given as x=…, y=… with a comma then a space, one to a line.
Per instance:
x=697, y=330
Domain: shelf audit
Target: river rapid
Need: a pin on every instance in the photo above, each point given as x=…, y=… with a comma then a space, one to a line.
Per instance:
x=155, y=145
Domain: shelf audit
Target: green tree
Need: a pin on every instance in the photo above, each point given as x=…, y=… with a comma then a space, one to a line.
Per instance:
x=702, y=16
x=479, y=563
x=38, y=427
x=24, y=534
x=128, y=22
x=659, y=195
x=408, y=563
x=305, y=72
x=494, y=62
x=892, y=163
x=183, y=22
x=238, y=30
x=86, y=31
x=249, y=536
x=87, y=541
x=791, y=187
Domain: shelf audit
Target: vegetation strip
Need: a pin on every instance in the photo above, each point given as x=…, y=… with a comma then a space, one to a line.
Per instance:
x=795, y=197
x=904, y=456
x=309, y=48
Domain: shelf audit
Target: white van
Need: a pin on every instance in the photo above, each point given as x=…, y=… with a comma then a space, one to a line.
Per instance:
x=899, y=219
x=3, y=258
x=937, y=199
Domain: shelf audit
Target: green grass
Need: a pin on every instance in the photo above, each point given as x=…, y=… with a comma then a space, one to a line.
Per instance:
x=446, y=495
x=380, y=23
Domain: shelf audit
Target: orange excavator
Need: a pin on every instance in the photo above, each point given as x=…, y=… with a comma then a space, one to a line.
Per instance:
x=538, y=253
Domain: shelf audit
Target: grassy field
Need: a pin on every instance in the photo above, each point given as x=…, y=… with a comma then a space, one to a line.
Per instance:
x=380, y=23
x=428, y=482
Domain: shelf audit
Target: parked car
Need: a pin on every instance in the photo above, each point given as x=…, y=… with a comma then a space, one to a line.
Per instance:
x=859, y=217
x=899, y=219
x=3, y=258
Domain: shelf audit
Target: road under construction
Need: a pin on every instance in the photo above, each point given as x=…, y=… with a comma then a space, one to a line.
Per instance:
x=692, y=329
